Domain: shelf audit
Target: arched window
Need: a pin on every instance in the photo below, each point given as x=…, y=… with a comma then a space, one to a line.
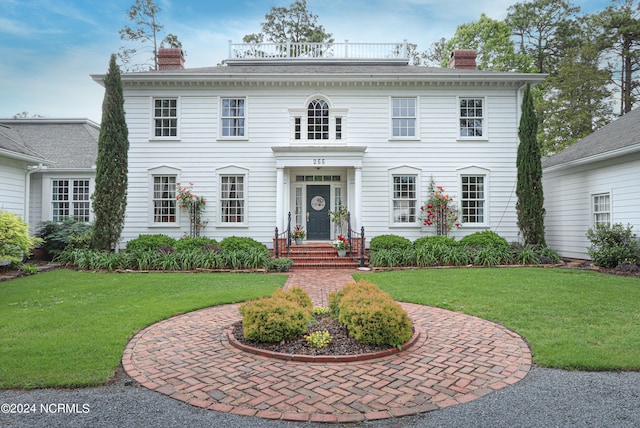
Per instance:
x=318, y=120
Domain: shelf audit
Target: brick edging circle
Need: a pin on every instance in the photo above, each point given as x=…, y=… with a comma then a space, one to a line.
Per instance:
x=417, y=332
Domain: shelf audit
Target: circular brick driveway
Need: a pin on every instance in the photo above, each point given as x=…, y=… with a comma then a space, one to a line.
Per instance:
x=460, y=358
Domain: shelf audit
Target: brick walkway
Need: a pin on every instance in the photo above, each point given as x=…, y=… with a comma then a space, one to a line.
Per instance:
x=459, y=359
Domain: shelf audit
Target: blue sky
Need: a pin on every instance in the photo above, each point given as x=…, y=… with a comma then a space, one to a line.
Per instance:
x=49, y=48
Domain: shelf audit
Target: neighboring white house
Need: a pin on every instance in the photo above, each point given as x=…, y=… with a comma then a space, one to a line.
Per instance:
x=47, y=168
x=594, y=181
x=270, y=133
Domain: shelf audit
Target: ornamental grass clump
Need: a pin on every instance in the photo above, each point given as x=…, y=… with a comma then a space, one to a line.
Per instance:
x=370, y=315
x=284, y=315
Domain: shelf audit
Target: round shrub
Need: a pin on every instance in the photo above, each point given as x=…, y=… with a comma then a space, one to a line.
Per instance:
x=274, y=319
x=69, y=234
x=15, y=241
x=613, y=245
x=388, y=242
x=189, y=243
x=485, y=239
x=150, y=242
x=295, y=295
x=434, y=240
x=236, y=243
x=370, y=315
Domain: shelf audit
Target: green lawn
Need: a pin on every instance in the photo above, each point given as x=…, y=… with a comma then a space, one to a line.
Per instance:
x=571, y=319
x=68, y=328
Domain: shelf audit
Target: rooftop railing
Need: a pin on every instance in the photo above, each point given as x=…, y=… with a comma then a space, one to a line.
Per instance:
x=319, y=51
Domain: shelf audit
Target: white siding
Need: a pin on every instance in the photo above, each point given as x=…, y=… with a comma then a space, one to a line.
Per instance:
x=12, y=177
x=568, y=201
x=436, y=151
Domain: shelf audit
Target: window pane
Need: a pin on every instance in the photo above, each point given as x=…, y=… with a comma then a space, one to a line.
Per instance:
x=602, y=209
x=318, y=120
x=403, y=121
x=471, y=117
x=404, y=198
x=232, y=198
x=164, y=199
x=165, y=117
x=472, y=200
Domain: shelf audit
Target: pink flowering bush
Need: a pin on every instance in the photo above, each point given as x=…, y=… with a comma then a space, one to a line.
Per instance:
x=194, y=204
x=439, y=211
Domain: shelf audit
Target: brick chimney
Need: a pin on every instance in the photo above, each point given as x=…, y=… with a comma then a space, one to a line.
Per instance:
x=170, y=59
x=463, y=59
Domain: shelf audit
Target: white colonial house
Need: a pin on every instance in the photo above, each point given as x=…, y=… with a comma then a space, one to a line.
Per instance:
x=594, y=181
x=47, y=168
x=304, y=129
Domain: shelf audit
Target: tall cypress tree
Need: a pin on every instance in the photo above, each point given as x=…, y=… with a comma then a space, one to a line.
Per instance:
x=110, y=195
x=530, y=205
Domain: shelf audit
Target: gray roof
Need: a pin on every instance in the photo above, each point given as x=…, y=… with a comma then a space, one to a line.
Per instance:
x=618, y=137
x=61, y=143
x=12, y=144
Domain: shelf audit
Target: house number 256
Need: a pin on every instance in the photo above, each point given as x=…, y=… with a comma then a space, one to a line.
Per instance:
x=318, y=161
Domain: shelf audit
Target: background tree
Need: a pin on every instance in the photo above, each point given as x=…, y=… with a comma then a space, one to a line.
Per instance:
x=620, y=39
x=110, y=195
x=145, y=30
x=530, y=204
x=293, y=24
x=491, y=39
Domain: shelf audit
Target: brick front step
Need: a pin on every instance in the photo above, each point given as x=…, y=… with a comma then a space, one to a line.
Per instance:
x=318, y=255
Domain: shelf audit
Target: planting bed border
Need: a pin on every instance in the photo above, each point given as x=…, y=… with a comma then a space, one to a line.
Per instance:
x=417, y=332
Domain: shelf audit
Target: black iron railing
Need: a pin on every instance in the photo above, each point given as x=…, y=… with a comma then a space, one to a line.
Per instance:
x=286, y=235
x=357, y=255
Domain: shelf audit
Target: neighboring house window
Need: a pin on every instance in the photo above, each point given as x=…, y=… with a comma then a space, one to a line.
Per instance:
x=473, y=199
x=471, y=117
x=318, y=120
x=403, y=118
x=233, y=117
x=602, y=209
x=71, y=198
x=164, y=199
x=232, y=198
x=404, y=198
x=165, y=116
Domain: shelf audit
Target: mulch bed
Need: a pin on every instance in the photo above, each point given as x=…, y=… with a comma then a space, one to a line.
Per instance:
x=341, y=343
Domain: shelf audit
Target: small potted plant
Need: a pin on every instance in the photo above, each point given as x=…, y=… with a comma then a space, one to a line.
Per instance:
x=298, y=234
x=342, y=245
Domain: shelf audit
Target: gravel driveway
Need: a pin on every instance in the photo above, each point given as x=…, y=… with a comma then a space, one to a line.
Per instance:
x=545, y=398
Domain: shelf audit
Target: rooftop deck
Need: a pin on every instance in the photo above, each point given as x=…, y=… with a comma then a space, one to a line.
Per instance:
x=324, y=52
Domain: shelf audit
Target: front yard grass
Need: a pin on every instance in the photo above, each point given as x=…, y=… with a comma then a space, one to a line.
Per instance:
x=66, y=328
x=577, y=320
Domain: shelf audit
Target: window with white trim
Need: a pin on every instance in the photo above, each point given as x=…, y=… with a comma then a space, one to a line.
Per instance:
x=403, y=117
x=165, y=207
x=473, y=198
x=233, y=117
x=318, y=120
x=165, y=117
x=471, y=117
x=602, y=209
x=232, y=198
x=405, y=198
x=71, y=198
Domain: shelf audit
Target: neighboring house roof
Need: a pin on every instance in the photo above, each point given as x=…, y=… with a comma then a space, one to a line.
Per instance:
x=618, y=138
x=12, y=145
x=61, y=143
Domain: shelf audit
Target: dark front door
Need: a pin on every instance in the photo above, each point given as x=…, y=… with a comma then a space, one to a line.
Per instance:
x=318, y=221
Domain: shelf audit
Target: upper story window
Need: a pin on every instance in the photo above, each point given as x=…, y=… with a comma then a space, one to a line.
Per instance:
x=403, y=120
x=318, y=120
x=602, y=209
x=233, y=117
x=71, y=199
x=165, y=117
x=471, y=117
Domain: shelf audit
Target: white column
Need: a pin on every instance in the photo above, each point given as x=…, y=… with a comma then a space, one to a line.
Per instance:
x=280, y=199
x=355, y=225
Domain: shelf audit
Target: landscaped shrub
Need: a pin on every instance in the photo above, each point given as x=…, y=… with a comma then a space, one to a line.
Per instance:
x=200, y=243
x=150, y=242
x=281, y=264
x=484, y=239
x=491, y=256
x=613, y=245
x=235, y=243
x=370, y=315
x=296, y=295
x=393, y=257
x=548, y=255
x=526, y=256
x=388, y=242
x=70, y=233
x=15, y=241
x=434, y=240
x=273, y=319
x=455, y=256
